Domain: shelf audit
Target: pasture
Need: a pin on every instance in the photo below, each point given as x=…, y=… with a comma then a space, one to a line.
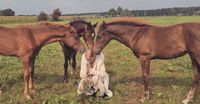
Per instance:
x=170, y=79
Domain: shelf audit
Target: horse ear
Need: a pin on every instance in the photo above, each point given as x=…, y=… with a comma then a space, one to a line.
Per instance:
x=70, y=23
x=104, y=25
x=70, y=28
x=95, y=24
x=89, y=25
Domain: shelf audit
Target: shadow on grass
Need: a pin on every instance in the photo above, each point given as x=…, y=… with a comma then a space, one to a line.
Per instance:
x=156, y=81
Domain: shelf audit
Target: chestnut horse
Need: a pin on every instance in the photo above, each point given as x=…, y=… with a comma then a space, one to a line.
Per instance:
x=149, y=42
x=26, y=41
x=85, y=29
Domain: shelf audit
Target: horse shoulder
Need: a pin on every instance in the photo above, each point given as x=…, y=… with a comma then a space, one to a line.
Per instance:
x=142, y=41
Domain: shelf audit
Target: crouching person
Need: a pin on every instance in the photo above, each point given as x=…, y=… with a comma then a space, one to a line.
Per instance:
x=93, y=75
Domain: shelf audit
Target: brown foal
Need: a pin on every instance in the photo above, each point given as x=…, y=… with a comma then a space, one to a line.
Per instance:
x=87, y=31
x=149, y=42
x=26, y=41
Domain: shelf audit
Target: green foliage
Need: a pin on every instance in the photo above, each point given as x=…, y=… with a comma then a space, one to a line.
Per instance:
x=119, y=10
x=112, y=12
x=56, y=14
x=7, y=12
x=43, y=16
x=17, y=19
x=54, y=99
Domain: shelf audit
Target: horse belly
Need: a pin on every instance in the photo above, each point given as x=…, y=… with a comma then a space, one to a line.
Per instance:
x=170, y=53
x=8, y=47
x=7, y=51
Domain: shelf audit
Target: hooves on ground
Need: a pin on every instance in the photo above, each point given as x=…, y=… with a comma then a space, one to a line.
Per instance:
x=186, y=101
x=28, y=97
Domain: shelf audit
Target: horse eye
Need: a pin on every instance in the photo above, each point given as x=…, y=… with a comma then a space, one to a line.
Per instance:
x=71, y=32
x=93, y=35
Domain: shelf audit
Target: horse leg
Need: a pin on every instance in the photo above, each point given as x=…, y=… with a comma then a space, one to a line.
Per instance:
x=26, y=61
x=31, y=80
x=66, y=59
x=73, y=62
x=195, y=84
x=65, y=69
x=145, y=65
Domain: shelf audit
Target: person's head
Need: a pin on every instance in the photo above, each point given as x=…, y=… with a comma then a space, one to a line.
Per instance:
x=90, y=56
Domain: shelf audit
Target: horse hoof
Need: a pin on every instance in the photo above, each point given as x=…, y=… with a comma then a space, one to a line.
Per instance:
x=33, y=91
x=185, y=101
x=142, y=100
x=28, y=97
x=72, y=72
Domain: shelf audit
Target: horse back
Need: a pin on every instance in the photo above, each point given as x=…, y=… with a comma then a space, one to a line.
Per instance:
x=163, y=42
x=13, y=39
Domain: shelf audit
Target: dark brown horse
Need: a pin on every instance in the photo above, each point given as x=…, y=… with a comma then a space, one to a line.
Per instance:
x=149, y=42
x=85, y=29
x=25, y=42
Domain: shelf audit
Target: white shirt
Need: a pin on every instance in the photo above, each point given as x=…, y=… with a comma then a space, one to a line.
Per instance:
x=97, y=73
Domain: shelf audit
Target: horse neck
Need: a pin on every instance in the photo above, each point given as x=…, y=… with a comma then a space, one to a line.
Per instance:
x=44, y=37
x=122, y=34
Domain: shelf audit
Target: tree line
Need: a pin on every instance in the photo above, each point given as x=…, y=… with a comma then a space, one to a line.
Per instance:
x=119, y=11
x=178, y=11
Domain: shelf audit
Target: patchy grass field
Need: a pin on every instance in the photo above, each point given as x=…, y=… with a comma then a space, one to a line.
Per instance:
x=170, y=79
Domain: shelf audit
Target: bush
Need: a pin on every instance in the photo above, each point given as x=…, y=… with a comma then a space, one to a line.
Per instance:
x=56, y=14
x=42, y=16
x=7, y=12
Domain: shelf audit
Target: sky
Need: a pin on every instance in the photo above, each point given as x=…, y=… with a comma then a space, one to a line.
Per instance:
x=28, y=7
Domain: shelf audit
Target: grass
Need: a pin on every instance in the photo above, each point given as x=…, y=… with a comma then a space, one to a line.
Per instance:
x=170, y=79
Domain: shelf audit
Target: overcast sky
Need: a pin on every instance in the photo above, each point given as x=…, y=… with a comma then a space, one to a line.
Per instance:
x=82, y=6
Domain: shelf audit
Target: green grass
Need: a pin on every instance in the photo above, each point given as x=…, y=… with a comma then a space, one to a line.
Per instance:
x=170, y=79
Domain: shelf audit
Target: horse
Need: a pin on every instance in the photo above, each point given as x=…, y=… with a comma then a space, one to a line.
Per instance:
x=26, y=41
x=148, y=42
x=85, y=29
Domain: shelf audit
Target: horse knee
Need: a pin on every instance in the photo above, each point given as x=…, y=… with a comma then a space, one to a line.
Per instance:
x=26, y=74
x=145, y=75
x=145, y=78
x=66, y=64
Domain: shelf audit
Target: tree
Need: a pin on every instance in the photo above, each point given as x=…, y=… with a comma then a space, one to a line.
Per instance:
x=42, y=16
x=56, y=14
x=7, y=12
x=119, y=10
x=126, y=12
x=112, y=12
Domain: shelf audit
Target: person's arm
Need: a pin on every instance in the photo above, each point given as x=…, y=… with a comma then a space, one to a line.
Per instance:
x=83, y=71
x=101, y=66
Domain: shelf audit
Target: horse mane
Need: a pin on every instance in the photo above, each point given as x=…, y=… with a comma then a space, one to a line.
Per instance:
x=79, y=25
x=127, y=20
x=40, y=24
x=46, y=23
x=78, y=21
